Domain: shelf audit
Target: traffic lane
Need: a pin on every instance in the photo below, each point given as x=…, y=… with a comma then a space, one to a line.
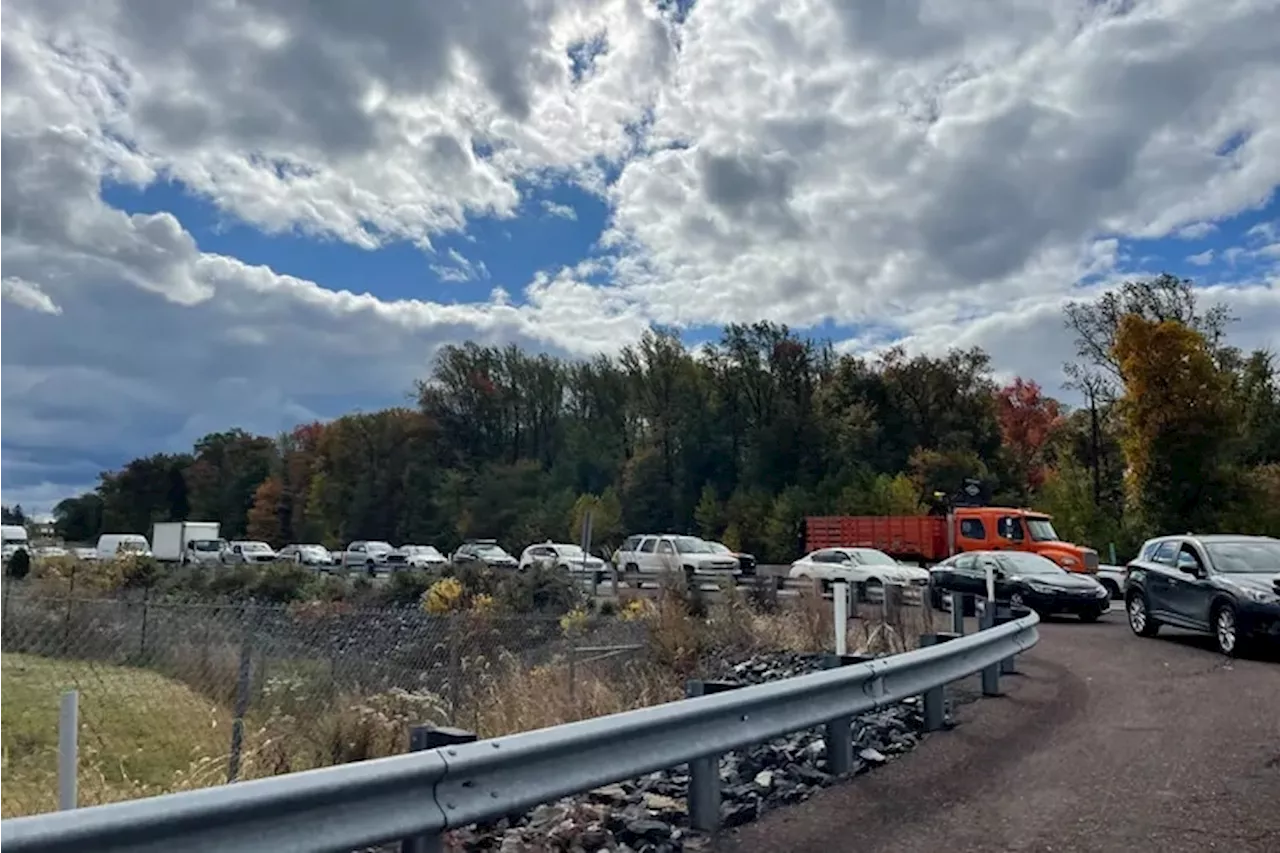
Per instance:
x=1103, y=743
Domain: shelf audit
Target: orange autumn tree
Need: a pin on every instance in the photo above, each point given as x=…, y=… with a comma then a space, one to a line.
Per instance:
x=1027, y=420
x=265, y=514
x=1178, y=425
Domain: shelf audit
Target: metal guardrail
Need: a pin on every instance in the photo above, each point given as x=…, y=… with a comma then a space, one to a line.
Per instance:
x=420, y=795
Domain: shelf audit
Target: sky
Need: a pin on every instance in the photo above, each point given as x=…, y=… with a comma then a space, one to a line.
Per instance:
x=257, y=213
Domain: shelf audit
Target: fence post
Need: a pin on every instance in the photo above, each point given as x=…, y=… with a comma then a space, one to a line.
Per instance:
x=991, y=674
x=704, y=773
x=243, y=686
x=1009, y=665
x=838, y=733
x=66, y=621
x=423, y=738
x=840, y=600
x=142, y=634
x=935, y=699
x=68, y=749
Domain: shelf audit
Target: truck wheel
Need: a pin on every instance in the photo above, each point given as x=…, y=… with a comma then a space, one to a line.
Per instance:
x=1112, y=589
x=371, y=569
x=689, y=577
x=631, y=574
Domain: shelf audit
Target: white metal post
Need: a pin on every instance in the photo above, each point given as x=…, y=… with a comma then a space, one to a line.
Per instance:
x=68, y=738
x=840, y=598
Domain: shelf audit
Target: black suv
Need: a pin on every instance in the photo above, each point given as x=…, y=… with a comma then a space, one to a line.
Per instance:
x=1225, y=585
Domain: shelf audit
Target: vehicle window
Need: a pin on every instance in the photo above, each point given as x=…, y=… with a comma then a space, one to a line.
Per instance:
x=692, y=545
x=1245, y=557
x=872, y=557
x=631, y=543
x=1024, y=563
x=966, y=563
x=820, y=557
x=206, y=545
x=973, y=528
x=1041, y=530
x=1149, y=550
x=1010, y=527
x=356, y=547
x=665, y=547
x=1165, y=552
x=1188, y=559
x=570, y=551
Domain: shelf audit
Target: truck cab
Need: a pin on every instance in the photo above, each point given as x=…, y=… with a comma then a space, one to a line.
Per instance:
x=1006, y=529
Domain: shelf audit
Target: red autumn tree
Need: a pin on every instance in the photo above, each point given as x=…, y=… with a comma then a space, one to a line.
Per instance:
x=264, y=515
x=1027, y=420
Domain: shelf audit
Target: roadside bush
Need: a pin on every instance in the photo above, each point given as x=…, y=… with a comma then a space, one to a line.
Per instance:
x=444, y=596
x=475, y=579
x=235, y=582
x=538, y=590
x=281, y=583
x=19, y=565
x=407, y=587
x=138, y=571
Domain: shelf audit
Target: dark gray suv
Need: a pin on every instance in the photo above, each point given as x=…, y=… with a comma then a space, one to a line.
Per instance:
x=1227, y=586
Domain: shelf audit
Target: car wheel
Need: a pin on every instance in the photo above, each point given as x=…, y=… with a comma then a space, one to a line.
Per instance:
x=1017, y=602
x=1141, y=622
x=631, y=573
x=1113, y=591
x=935, y=597
x=1226, y=630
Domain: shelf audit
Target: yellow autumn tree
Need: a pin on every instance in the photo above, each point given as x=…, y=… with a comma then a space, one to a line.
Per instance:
x=1177, y=425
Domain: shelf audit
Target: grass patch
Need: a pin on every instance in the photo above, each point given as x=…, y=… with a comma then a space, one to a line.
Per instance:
x=140, y=733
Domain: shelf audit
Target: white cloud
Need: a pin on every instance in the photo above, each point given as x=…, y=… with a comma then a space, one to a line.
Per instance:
x=1203, y=259
x=939, y=172
x=562, y=211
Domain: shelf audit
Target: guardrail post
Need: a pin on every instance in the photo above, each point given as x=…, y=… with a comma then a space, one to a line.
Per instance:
x=935, y=699
x=990, y=674
x=68, y=749
x=704, y=773
x=958, y=607
x=1009, y=665
x=838, y=734
x=424, y=738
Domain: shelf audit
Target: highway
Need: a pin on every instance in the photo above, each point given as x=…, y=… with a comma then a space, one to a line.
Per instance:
x=1103, y=743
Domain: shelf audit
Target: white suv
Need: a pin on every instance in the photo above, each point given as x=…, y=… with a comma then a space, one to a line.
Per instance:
x=672, y=552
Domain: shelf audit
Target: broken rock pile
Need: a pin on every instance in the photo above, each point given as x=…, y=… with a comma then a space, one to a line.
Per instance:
x=649, y=814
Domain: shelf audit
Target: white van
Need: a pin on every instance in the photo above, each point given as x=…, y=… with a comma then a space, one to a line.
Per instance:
x=111, y=545
x=15, y=539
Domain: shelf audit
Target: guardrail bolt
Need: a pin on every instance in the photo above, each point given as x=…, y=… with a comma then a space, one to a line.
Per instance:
x=935, y=699
x=704, y=773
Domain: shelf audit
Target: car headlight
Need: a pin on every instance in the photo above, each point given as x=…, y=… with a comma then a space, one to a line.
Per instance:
x=1261, y=596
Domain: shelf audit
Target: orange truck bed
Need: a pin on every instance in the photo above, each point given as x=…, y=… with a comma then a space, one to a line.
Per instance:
x=903, y=537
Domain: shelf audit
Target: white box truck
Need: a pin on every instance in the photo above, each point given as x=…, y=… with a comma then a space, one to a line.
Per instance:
x=187, y=542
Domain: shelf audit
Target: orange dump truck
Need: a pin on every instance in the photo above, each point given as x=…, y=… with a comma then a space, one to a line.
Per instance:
x=929, y=538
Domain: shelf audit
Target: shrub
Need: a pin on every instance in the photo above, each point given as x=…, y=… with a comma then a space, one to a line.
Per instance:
x=235, y=582
x=444, y=596
x=407, y=587
x=281, y=583
x=538, y=590
x=138, y=571
x=19, y=565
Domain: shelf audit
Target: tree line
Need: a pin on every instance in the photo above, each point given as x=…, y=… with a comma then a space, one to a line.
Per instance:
x=741, y=439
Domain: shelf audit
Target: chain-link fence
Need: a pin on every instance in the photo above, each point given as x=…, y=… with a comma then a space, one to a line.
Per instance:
x=176, y=695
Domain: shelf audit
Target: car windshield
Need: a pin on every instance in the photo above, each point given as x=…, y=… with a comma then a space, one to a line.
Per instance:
x=313, y=550
x=131, y=545
x=255, y=547
x=1020, y=563
x=1041, y=529
x=573, y=551
x=872, y=557
x=207, y=545
x=378, y=546
x=490, y=551
x=692, y=545
x=1245, y=557
x=719, y=548
x=424, y=550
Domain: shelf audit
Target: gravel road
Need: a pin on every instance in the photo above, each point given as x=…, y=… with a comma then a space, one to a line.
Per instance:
x=1103, y=742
